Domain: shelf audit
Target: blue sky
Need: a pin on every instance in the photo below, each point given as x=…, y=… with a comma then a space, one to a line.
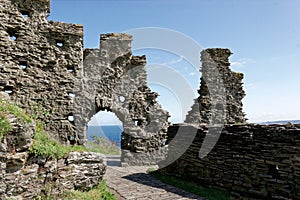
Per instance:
x=264, y=36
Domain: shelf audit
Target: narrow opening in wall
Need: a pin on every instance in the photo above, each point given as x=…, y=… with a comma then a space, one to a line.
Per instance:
x=251, y=136
x=25, y=13
x=70, y=94
x=273, y=170
x=70, y=68
x=12, y=32
x=105, y=129
x=12, y=36
x=8, y=89
x=122, y=99
x=60, y=43
x=164, y=141
x=71, y=139
x=23, y=65
x=71, y=117
x=138, y=122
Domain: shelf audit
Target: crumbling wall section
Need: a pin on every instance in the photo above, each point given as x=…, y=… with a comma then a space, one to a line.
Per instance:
x=24, y=175
x=115, y=80
x=38, y=63
x=251, y=161
x=41, y=65
x=218, y=84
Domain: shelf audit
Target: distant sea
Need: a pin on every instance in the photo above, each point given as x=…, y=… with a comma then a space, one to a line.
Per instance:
x=282, y=122
x=111, y=132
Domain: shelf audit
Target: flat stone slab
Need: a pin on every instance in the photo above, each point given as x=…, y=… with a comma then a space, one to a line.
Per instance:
x=134, y=183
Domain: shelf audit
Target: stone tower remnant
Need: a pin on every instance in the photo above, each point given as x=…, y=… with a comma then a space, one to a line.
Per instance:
x=224, y=84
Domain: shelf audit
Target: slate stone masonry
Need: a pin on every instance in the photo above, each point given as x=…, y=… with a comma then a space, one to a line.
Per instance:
x=219, y=84
x=46, y=72
x=251, y=161
x=26, y=176
x=116, y=81
x=38, y=63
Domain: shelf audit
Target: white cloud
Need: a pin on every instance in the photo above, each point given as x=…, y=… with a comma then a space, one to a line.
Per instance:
x=251, y=86
x=192, y=74
x=104, y=118
x=173, y=61
x=241, y=62
x=237, y=64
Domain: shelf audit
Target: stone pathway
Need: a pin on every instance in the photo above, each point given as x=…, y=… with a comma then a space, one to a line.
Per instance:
x=134, y=183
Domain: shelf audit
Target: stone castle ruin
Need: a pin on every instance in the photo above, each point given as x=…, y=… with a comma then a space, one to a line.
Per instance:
x=115, y=80
x=46, y=71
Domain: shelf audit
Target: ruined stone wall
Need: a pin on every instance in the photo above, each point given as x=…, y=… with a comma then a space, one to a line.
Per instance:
x=38, y=63
x=220, y=93
x=41, y=65
x=115, y=80
x=26, y=176
x=250, y=161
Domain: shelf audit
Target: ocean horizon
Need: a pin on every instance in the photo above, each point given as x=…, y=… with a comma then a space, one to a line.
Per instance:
x=111, y=132
x=114, y=132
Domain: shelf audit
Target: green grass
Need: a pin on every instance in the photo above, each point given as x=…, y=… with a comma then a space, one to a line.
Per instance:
x=208, y=193
x=6, y=109
x=99, y=192
x=102, y=145
x=43, y=144
x=47, y=147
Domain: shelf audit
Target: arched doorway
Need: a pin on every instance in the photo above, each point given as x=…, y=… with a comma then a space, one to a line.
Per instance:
x=104, y=133
x=115, y=80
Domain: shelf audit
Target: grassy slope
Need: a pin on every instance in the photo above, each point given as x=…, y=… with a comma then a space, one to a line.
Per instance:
x=47, y=147
x=102, y=145
x=10, y=109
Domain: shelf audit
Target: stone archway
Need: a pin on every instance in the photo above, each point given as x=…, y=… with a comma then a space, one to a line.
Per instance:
x=115, y=80
x=105, y=127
